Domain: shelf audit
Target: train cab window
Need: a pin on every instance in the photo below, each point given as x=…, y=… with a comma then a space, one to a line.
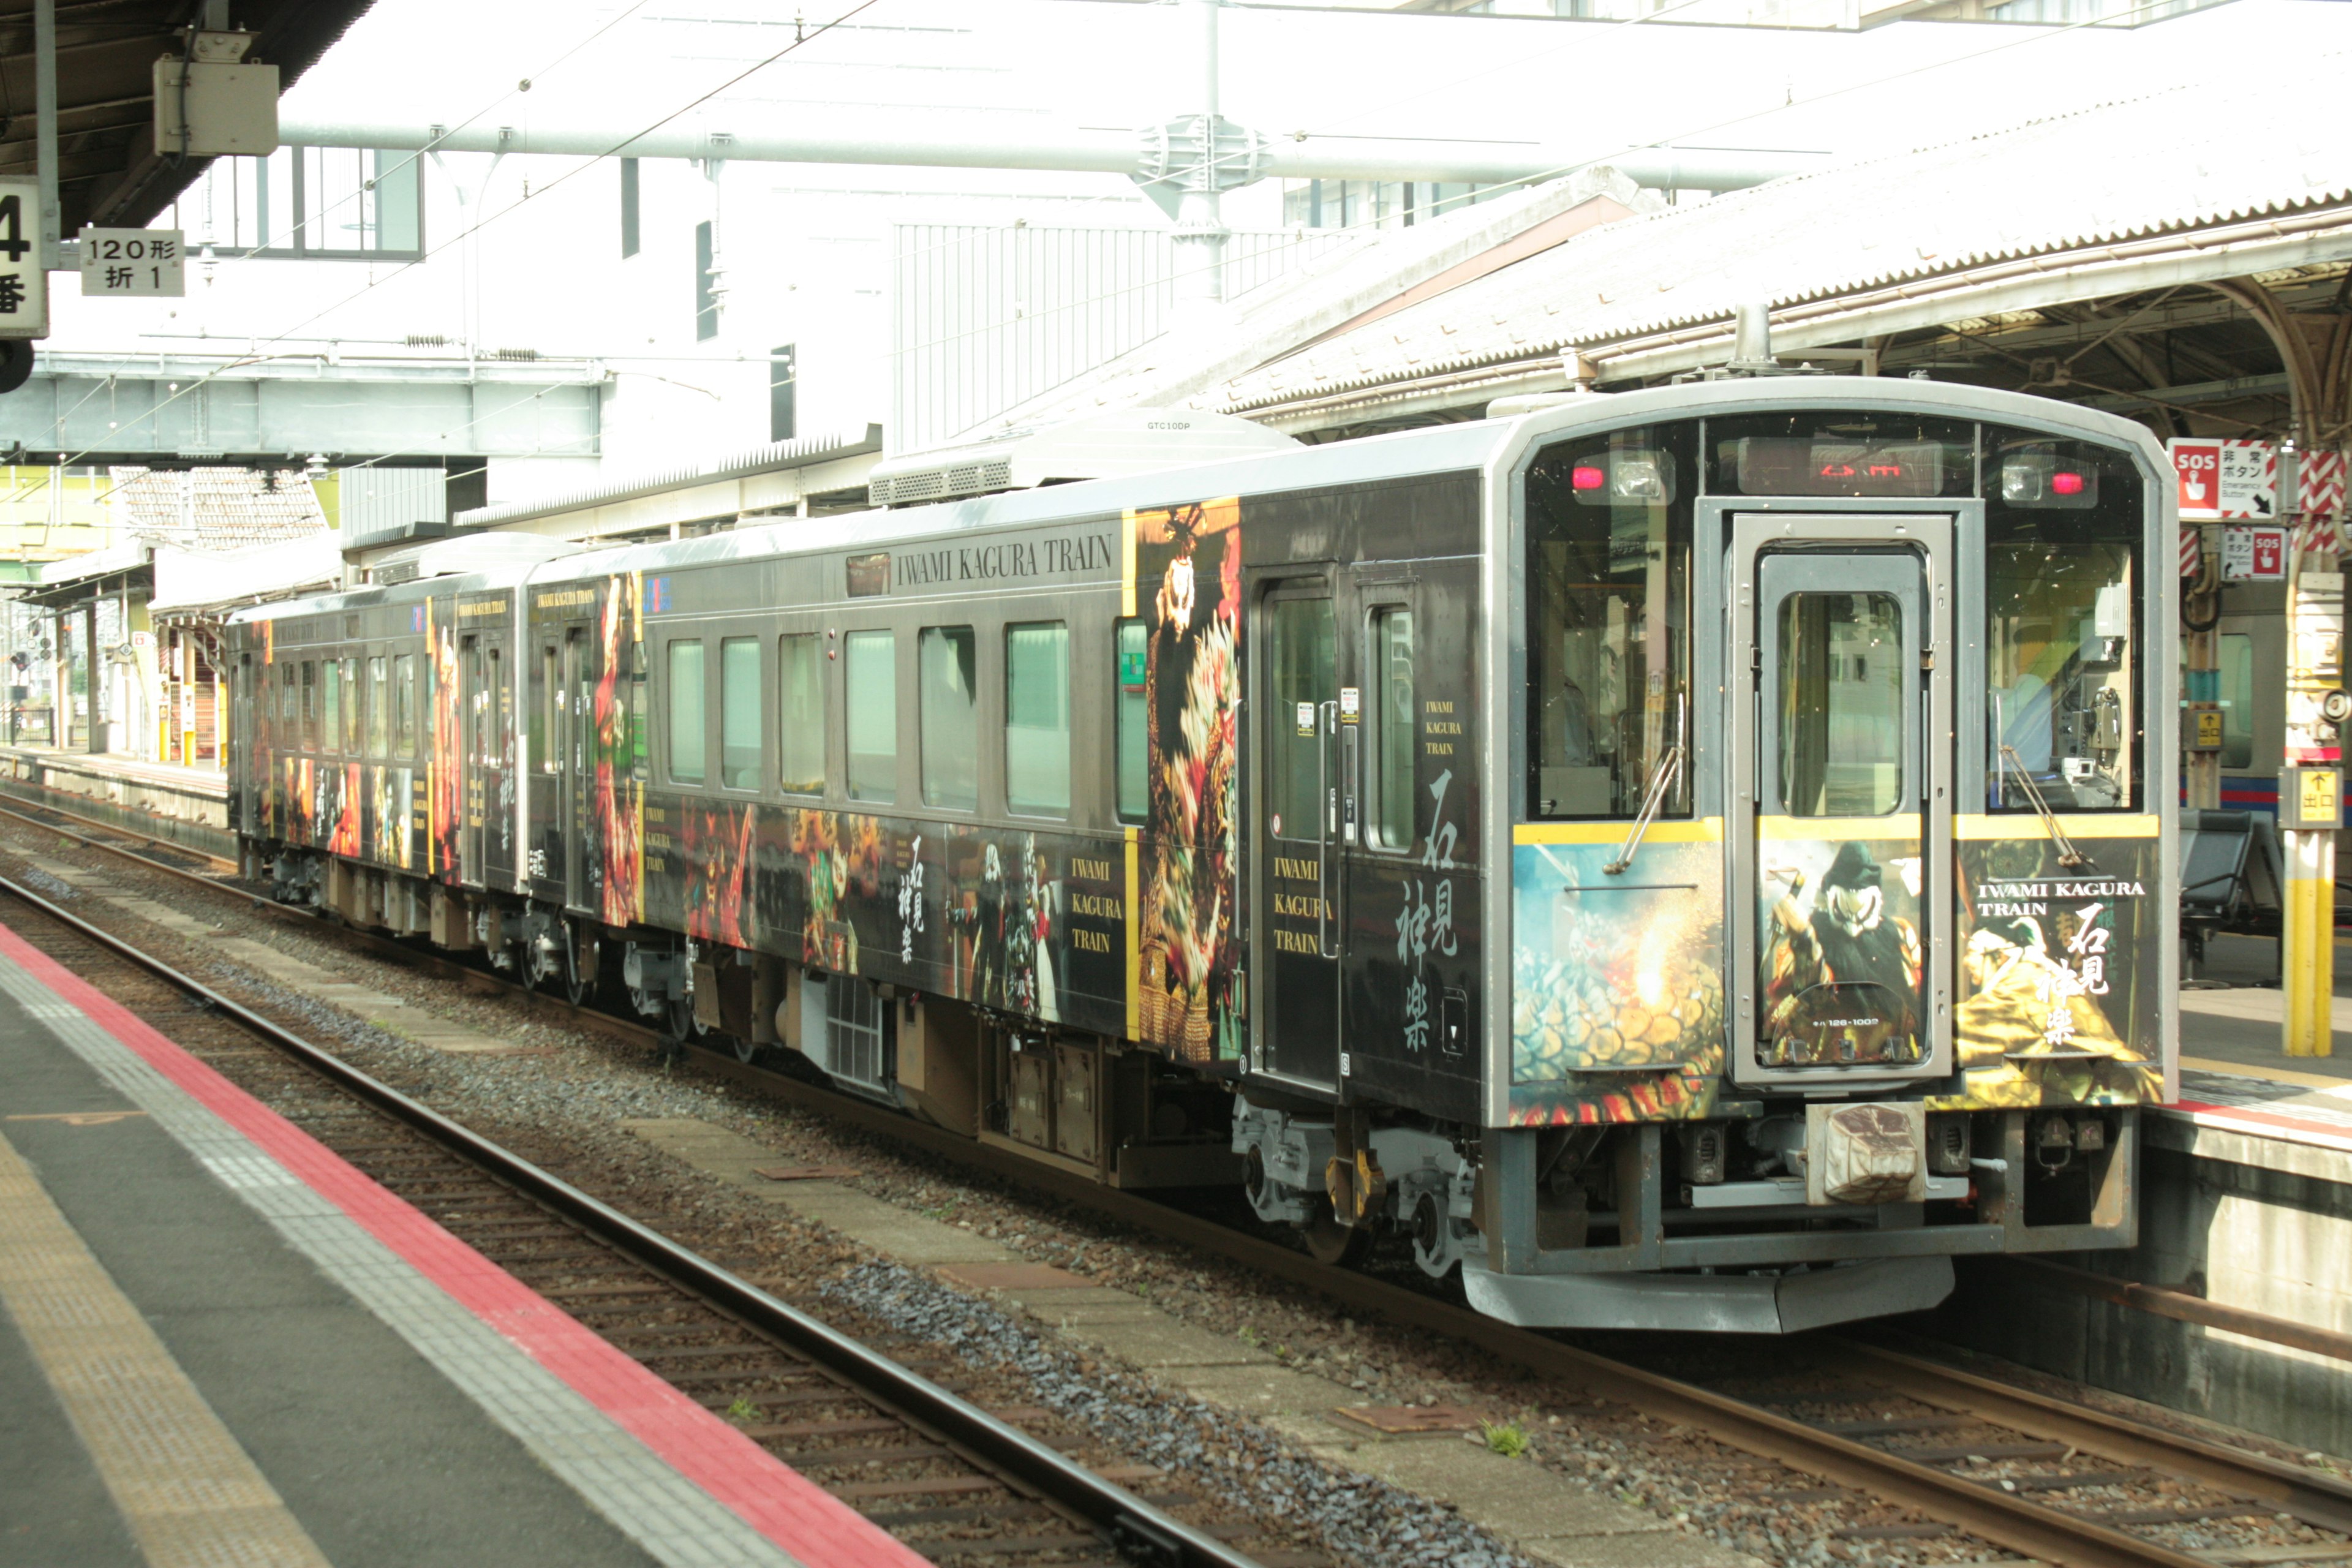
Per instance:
x=404, y=705
x=685, y=698
x=1302, y=651
x=378, y=707
x=350, y=707
x=800, y=716
x=1133, y=749
x=2062, y=544
x=330, y=705
x=1842, y=702
x=1608, y=661
x=1394, y=736
x=870, y=679
x=740, y=701
x=948, y=687
x=1037, y=719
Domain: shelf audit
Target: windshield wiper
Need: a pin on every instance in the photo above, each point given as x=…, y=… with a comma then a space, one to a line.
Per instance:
x=1662, y=780
x=2073, y=859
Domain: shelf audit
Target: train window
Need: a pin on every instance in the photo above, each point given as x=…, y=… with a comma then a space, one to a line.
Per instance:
x=1134, y=752
x=330, y=705
x=546, y=722
x=404, y=705
x=740, y=701
x=495, y=752
x=475, y=713
x=1037, y=717
x=378, y=709
x=1608, y=662
x=2061, y=627
x=1302, y=653
x=948, y=668
x=1394, y=736
x=870, y=675
x=351, y=706
x=309, y=705
x=685, y=696
x=1842, y=704
x=800, y=716
x=2236, y=700
x=288, y=719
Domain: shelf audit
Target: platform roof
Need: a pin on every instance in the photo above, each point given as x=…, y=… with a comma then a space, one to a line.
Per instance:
x=1966, y=241
x=109, y=172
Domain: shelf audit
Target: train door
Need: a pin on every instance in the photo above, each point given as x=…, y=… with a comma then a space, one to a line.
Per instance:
x=474, y=708
x=573, y=718
x=1295, y=861
x=1840, y=783
x=498, y=793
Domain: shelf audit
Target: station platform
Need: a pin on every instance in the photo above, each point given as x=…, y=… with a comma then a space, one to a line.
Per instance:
x=186, y=804
x=222, y=1344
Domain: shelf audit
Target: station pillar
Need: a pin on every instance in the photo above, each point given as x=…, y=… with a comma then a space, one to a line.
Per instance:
x=2200, y=691
x=2310, y=776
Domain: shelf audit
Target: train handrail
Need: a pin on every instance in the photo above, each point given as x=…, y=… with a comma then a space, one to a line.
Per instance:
x=1662, y=780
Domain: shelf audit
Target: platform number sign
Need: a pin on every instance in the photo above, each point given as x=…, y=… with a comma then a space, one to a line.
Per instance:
x=133, y=262
x=24, y=271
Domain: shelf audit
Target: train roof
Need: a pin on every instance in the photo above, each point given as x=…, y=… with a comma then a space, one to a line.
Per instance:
x=1472, y=445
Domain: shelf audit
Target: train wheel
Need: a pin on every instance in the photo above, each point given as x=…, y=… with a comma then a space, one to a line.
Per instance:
x=578, y=984
x=678, y=1019
x=744, y=1050
x=1329, y=1241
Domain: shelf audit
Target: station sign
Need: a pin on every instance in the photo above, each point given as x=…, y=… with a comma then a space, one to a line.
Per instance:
x=2225, y=480
x=2253, y=554
x=133, y=262
x=2311, y=798
x=24, y=269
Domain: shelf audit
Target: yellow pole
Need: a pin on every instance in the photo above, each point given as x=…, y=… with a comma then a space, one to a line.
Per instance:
x=2309, y=807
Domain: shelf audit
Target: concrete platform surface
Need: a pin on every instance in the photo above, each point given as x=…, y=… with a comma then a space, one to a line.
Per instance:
x=221, y=1344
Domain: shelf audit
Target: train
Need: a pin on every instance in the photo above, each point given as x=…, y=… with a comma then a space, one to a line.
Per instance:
x=1695, y=857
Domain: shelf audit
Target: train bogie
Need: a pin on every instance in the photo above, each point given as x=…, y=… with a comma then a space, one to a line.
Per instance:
x=1687, y=858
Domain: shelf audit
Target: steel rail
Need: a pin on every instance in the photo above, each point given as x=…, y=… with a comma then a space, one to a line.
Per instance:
x=1997, y=1517
x=2310, y=1495
x=1132, y=1524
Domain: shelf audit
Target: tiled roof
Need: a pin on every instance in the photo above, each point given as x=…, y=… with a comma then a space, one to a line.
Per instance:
x=217, y=509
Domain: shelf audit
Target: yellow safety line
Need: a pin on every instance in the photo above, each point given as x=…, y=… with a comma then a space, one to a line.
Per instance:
x=1699, y=830
x=184, y=1485
x=2079, y=825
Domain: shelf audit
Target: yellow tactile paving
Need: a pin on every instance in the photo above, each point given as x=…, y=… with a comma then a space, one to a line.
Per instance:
x=186, y=1489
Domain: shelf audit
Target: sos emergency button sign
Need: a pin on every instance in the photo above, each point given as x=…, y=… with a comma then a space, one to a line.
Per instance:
x=2225, y=481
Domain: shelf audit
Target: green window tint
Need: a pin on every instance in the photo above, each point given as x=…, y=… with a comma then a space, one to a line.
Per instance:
x=309, y=705
x=800, y=714
x=738, y=713
x=379, y=708
x=870, y=675
x=1303, y=653
x=1394, y=730
x=2236, y=700
x=1130, y=699
x=1037, y=717
x=949, y=661
x=331, y=705
x=685, y=698
x=1842, y=704
x=351, y=706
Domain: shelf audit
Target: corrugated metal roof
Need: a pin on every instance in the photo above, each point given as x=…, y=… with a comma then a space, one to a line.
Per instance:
x=767, y=457
x=2190, y=157
x=217, y=509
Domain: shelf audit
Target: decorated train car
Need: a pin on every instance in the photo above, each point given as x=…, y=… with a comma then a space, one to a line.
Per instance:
x=1691, y=858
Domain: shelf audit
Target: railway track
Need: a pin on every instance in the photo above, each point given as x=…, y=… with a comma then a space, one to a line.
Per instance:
x=2044, y=1479
x=956, y=1482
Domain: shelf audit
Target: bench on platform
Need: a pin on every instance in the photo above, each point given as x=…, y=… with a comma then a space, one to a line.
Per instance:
x=2231, y=877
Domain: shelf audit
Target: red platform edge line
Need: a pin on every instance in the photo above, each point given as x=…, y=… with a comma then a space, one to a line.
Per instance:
x=801, y=1518
x=2260, y=1120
